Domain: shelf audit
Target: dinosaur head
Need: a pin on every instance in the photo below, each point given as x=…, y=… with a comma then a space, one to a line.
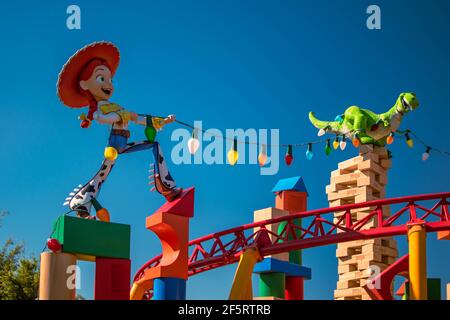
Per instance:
x=406, y=102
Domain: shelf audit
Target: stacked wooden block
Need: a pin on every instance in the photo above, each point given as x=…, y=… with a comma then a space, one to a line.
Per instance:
x=448, y=291
x=360, y=179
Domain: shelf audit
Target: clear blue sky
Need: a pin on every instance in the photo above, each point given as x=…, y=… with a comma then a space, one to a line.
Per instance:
x=231, y=64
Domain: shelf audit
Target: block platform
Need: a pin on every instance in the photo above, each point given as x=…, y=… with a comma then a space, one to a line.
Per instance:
x=88, y=239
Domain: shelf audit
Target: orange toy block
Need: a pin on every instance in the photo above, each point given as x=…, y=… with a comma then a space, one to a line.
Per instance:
x=292, y=201
x=401, y=291
x=443, y=235
x=173, y=232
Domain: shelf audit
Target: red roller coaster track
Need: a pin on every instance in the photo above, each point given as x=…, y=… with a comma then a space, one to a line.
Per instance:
x=319, y=228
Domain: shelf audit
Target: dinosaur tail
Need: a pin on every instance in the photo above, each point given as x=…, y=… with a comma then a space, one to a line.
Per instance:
x=333, y=126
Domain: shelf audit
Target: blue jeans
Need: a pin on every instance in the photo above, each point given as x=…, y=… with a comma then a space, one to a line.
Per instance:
x=120, y=143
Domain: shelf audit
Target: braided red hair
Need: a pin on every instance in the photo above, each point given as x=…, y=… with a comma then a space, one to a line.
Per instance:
x=87, y=72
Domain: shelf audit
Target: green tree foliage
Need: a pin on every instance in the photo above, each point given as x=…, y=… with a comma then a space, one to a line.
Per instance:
x=19, y=276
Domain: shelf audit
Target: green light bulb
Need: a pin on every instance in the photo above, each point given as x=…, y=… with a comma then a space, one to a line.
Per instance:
x=150, y=131
x=328, y=148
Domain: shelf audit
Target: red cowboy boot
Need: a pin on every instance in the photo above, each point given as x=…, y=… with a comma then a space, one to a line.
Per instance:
x=169, y=193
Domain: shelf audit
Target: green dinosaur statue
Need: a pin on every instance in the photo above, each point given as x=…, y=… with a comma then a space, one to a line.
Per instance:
x=367, y=126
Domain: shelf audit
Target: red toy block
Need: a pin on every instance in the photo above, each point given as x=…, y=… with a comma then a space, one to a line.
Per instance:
x=294, y=288
x=112, y=279
x=182, y=206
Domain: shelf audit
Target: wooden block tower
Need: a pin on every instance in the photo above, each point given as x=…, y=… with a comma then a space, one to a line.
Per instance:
x=360, y=179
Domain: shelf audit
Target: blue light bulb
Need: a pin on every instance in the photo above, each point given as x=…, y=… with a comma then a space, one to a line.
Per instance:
x=309, y=152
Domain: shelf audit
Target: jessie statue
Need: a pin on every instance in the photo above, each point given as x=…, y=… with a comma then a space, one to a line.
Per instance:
x=86, y=81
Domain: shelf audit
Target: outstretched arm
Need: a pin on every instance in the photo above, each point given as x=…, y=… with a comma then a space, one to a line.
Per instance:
x=109, y=118
x=157, y=122
x=138, y=119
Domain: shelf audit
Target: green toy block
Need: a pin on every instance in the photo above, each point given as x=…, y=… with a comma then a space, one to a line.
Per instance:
x=433, y=289
x=272, y=285
x=295, y=256
x=92, y=238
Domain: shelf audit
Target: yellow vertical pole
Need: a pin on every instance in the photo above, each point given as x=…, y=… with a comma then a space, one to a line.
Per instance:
x=417, y=262
x=139, y=288
x=242, y=282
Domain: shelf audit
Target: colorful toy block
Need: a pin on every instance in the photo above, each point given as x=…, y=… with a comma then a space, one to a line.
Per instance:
x=90, y=238
x=171, y=224
x=169, y=289
x=56, y=271
x=270, y=265
x=291, y=194
x=183, y=205
x=112, y=279
x=291, y=201
x=290, y=184
x=272, y=284
x=294, y=288
x=443, y=235
x=294, y=256
x=433, y=288
x=173, y=232
x=401, y=290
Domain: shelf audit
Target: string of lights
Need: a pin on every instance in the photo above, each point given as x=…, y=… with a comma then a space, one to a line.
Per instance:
x=340, y=141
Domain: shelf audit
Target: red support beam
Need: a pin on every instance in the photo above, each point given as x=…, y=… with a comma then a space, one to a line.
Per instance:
x=211, y=251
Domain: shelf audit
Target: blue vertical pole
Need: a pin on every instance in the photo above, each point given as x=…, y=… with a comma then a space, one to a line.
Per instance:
x=169, y=289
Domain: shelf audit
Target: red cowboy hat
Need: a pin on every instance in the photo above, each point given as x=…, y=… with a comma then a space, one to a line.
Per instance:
x=68, y=79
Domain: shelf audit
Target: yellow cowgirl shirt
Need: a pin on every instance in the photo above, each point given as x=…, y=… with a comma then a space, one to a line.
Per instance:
x=115, y=115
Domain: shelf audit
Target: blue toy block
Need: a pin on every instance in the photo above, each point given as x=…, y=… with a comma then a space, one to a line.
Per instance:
x=290, y=184
x=271, y=265
x=169, y=289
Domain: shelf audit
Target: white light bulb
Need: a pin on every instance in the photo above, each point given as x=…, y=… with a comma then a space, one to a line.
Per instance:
x=193, y=145
x=321, y=132
x=343, y=144
x=425, y=156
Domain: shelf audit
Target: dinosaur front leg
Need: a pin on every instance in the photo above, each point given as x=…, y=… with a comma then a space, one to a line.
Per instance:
x=366, y=139
x=360, y=123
